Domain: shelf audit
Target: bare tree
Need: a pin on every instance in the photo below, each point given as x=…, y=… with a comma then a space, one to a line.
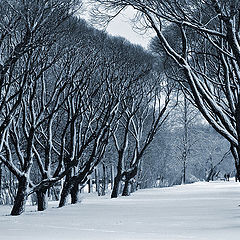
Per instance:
x=207, y=53
x=29, y=50
x=142, y=115
x=101, y=100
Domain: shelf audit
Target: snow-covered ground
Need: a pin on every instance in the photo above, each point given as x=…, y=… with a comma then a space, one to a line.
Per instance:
x=196, y=211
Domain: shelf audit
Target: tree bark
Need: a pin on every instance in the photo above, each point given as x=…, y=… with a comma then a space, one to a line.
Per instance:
x=89, y=183
x=112, y=176
x=71, y=186
x=116, y=184
x=184, y=169
x=129, y=177
x=97, y=182
x=210, y=175
x=126, y=190
x=1, y=200
x=237, y=172
x=104, y=180
x=236, y=156
x=21, y=198
x=42, y=199
x=66, y=189
x=64, y=194
x=75, y=194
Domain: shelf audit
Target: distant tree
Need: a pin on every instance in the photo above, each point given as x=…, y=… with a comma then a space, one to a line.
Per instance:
x=208, y=153
x=211, y=155
x=185, y=117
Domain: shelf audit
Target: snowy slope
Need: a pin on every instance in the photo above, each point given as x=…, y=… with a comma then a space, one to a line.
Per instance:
x=197, y=211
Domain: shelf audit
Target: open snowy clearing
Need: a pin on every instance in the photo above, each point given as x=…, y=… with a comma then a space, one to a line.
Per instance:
x=195, y=211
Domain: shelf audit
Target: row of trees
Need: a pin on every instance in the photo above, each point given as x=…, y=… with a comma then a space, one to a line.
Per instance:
x=72, y=97
x=68, y=94
x=190, y=150
x=200, y=43
x=170, y=159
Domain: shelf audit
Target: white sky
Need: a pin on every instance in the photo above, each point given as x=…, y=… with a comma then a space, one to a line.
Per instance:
x=122, y=26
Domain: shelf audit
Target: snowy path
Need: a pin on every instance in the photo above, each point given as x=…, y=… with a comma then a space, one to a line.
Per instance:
x=202, y=211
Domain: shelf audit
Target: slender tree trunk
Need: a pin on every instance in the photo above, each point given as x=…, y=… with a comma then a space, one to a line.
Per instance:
x=210, y=175
x=104, y=179
x=97, y=182
x=42, y=199
x=21, y=198
x=184, y=170
x=112, y=176
x=89, y=185
x=185, y=140
x=107, y=178
x=236, y=150
x=138, y=184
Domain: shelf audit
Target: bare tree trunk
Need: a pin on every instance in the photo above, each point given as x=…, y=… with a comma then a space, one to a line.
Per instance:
x=1, y=200
x=21, y=198
x=236, y=157
x=112, y=176
x=97, y=182
x=118, y=177
x=184, y=171
x=89, y=183
x=126, y=190
x=42, y=199
x=237, y=177
x=116, y=185
x=185, y=140
x=66, y=190
x=104, y=180
x=64, y=195
x=210, y=175
x=75, y=194
x=133, y=187
x=71, y=186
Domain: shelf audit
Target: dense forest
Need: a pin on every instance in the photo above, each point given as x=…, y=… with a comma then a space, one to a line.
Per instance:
x=80, y=109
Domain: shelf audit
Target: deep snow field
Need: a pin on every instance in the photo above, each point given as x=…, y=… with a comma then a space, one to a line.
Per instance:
x=199, y=211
